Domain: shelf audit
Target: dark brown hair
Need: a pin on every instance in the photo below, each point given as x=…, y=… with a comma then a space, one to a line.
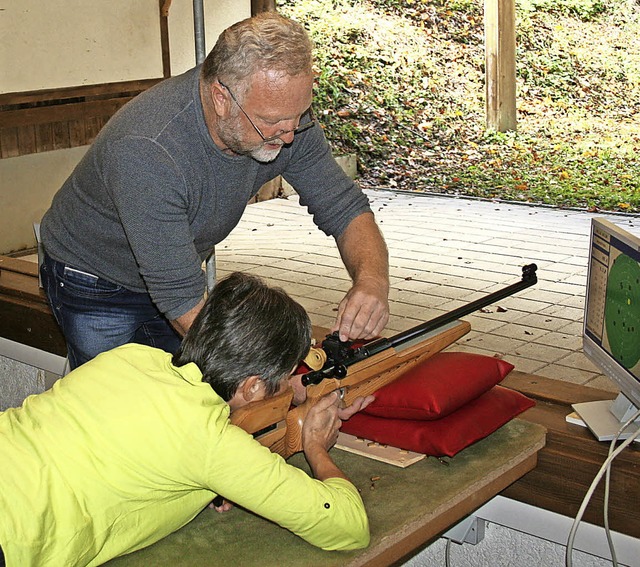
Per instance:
x=246, y=328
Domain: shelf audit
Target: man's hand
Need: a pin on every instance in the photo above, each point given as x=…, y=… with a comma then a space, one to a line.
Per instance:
x=358, y=405
x=299, y=391
x=183, y=324
x=321, y=426
x=319, y=434
x=364, y=311
x=224, y=507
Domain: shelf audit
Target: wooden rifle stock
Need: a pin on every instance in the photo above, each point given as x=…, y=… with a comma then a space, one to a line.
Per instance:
x=361, y=371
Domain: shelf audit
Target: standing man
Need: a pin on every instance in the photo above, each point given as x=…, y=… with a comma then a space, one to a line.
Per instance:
x=169, y=177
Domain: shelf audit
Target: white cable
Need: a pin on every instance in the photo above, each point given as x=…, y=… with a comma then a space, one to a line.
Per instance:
x=605, y=511
x=604, y=468
x=447, y=554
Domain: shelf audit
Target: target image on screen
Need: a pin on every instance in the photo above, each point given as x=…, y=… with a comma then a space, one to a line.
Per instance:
x=622, y=312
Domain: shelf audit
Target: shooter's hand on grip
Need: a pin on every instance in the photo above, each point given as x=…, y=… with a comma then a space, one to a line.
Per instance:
x=319, y=434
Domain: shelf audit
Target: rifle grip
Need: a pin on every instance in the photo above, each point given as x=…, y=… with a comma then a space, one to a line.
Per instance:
x=296, y=416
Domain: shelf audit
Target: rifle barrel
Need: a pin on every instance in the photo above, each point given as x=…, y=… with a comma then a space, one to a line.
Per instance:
x=337, y=368
x=529, y=278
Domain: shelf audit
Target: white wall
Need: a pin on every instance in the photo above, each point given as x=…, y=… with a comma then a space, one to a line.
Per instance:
x=65, y=43
x=27, y=185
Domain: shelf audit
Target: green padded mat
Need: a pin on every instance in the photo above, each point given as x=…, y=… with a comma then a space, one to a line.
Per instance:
x=400, y=497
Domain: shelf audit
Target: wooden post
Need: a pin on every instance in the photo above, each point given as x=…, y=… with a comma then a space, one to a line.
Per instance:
x=258, y=6
x=500, y=64
x=165, y=5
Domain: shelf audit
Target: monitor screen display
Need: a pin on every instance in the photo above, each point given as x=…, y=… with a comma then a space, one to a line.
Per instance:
x=611, y=337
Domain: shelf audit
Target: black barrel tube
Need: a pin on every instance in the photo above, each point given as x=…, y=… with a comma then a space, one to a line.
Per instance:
x=529, y=278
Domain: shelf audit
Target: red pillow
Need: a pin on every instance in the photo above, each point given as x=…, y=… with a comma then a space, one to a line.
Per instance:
x=448, y=435
x=439, y=386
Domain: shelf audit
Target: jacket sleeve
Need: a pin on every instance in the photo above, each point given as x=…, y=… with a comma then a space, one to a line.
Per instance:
x=329, y=514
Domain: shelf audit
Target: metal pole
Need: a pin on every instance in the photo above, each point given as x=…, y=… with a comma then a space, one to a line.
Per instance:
x=198, y=30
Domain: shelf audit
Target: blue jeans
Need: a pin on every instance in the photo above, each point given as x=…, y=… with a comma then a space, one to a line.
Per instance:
x=96, y=315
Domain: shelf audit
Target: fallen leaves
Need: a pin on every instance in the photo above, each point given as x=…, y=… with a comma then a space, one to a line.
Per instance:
x=401, y=85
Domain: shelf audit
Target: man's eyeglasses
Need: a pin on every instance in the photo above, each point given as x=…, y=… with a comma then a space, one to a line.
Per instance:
x=301, y=127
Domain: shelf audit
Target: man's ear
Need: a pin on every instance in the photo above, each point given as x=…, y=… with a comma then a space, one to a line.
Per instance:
x=220, y=98
x=252, y=388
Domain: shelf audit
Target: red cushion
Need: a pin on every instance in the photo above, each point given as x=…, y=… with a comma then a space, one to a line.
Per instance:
x=439, y=386
x=448, y=435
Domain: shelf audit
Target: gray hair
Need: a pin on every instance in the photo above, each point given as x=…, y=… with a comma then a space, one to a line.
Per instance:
x=266, y=42
x=246, y=329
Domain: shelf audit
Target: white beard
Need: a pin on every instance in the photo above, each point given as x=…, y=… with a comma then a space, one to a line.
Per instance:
x=263, y=155
x=231, y=133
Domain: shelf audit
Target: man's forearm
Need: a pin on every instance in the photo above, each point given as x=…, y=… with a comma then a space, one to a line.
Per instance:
x=363, y=250
x=183, y=323
x=322, y=466
x=364, y=311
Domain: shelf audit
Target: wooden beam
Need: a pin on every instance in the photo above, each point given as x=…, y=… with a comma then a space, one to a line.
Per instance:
x=165, y=5
x=84, y=92
x=500, y=64
x=41, y=121
x=258, y=6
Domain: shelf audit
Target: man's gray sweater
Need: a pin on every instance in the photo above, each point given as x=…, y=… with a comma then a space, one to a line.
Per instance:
x=154, y=194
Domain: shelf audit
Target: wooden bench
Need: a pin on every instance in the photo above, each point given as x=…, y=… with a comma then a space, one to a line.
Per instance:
x=24, y=311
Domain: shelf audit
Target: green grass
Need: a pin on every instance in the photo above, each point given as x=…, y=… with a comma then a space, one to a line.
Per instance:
x=401, y=83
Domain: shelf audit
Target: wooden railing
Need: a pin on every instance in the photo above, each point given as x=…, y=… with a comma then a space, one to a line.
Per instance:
x=41, y=121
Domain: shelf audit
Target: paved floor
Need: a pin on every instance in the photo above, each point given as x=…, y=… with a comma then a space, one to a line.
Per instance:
x=444, y=253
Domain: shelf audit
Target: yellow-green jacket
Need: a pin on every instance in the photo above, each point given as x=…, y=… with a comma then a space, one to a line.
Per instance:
x=127, y=449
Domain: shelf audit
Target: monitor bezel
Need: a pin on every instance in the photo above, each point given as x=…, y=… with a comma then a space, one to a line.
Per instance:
x=623, y=378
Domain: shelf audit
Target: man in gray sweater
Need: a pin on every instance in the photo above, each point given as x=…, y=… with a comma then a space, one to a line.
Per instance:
x=169, y=177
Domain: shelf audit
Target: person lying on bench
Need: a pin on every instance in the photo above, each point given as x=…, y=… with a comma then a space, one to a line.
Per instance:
x=132, y=445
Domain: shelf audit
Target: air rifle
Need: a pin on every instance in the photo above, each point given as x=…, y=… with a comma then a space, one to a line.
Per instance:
x=360, y=370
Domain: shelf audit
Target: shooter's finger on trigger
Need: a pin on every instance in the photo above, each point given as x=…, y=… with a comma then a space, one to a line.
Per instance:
x=328, y=400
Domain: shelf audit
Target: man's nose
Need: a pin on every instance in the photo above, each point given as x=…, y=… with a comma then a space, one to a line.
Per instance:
x=287, y=136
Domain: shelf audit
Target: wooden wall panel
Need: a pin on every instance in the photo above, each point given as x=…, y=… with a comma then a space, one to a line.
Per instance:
x=41, y=121
x=9, y=142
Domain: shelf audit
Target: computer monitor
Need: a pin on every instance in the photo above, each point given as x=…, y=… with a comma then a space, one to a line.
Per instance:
x=611, y=332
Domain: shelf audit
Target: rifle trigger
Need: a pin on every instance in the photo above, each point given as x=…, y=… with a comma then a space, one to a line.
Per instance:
x=342, y=392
